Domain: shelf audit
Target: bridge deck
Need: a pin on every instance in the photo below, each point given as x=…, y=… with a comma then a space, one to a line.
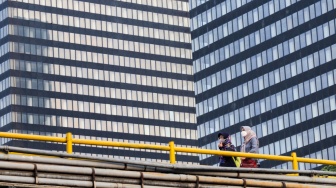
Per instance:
x=69, y=170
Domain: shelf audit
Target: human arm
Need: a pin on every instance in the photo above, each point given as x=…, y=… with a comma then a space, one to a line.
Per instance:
x=220, y=146
x=254, y=145
x=230, y=147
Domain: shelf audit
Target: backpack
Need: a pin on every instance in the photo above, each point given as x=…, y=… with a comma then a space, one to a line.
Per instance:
x=237, y=161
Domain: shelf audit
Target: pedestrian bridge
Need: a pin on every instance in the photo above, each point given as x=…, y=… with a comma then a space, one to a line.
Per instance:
x=21, y=167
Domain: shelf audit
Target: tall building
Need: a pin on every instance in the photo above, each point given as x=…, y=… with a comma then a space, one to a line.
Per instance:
x=270, y=65
x=105, y=70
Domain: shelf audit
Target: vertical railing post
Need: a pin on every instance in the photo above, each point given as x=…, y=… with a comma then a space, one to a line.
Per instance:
x=295, y=162
x=172, y=152
x=69, y=142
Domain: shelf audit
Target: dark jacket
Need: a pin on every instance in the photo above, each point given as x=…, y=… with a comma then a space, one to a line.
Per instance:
x=227, y=161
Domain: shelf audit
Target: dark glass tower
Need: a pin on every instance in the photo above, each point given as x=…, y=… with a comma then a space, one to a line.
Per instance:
x=270, y=65
x=105, y=70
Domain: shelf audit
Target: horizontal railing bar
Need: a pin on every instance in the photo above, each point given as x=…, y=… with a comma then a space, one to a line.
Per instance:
x=233, y=153
x=32, y=137
x=119, y=144
x=316, y=161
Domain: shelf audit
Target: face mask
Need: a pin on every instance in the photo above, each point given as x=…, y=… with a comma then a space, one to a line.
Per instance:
x=243, y=133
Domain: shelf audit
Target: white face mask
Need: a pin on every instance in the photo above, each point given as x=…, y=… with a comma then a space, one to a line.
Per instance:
x=243, y=133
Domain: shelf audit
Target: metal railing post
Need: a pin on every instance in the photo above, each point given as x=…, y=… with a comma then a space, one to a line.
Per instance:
x=69, y=142
x=295, y=162
x=172, y=152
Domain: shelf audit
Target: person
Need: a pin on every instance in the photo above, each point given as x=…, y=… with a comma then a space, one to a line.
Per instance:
x=250, y=145
x=225, y=144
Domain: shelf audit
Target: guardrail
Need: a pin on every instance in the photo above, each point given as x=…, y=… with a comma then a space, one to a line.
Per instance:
x=69, y=140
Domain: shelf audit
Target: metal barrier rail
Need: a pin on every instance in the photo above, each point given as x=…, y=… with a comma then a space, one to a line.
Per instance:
x=171, y=148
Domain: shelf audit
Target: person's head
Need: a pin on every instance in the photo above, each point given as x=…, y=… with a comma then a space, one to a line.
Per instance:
x=223, y=136
x=245, y=130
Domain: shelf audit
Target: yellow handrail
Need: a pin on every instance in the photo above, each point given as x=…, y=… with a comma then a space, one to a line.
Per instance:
x=233, y=153
x=69, y=140
x=119, y=144
x=32, y=137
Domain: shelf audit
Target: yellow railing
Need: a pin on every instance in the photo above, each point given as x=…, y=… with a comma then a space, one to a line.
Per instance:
x=171, y=148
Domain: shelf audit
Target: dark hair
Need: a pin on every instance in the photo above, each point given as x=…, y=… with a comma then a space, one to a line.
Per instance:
x=224, y=134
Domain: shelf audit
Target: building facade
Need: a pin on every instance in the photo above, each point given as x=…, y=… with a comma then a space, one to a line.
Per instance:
x=105, y=70
x=270, y=65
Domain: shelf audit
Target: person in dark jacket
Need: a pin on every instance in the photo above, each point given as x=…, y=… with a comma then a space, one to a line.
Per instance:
x=225, y=144
x=250, y=145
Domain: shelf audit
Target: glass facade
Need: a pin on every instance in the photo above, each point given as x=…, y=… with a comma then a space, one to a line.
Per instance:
x=105, y=70
x=270, y=65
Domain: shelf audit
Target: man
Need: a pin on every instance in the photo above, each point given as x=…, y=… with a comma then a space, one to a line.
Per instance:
x=225, y=144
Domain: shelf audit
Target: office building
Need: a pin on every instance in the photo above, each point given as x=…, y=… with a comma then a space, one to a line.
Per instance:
x=270, y=65
x=104, y=70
